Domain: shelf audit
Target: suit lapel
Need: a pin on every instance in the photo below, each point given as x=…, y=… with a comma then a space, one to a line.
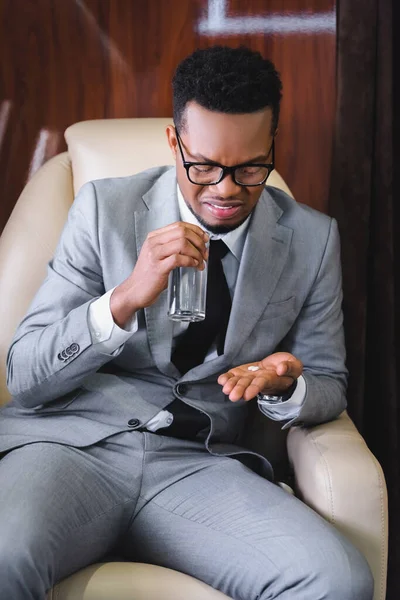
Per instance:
x=264, y=256
x=161, y=209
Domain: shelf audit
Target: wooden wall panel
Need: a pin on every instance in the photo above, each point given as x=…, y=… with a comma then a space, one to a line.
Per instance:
x=63, y=61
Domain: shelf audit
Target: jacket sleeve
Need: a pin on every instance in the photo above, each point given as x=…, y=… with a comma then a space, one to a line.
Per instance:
x=317, y=339
x=52, y=350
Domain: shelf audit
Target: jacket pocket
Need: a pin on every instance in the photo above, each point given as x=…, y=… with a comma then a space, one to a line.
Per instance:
x=275, y=310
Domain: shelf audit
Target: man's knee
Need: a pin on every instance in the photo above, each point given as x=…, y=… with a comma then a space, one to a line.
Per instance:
x=340, y=573
x=353, y=578
x=331, y=569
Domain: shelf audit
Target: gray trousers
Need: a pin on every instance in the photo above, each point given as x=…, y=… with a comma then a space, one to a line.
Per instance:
x=169, y=502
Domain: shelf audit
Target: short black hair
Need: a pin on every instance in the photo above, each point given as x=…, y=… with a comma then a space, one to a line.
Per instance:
x=227, y=80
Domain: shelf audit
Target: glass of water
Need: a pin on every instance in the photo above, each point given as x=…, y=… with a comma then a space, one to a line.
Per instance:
x=187, y=290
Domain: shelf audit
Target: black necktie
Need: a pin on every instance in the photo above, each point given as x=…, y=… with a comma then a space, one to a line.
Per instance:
x=193, y=345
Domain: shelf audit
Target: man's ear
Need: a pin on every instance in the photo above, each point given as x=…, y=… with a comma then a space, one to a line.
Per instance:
x=172, y=141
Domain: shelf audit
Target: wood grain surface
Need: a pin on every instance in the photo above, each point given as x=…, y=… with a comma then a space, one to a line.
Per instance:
x=63, y=61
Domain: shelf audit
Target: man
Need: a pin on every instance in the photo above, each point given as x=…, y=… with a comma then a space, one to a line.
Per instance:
x=122, y=436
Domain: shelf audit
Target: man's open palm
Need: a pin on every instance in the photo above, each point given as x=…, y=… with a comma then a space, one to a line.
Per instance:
x=274, y=375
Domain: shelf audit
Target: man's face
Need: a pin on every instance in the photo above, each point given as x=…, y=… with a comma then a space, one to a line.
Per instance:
x=227, y=140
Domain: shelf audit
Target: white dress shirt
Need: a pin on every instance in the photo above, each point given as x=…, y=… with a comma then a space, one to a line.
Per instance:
x=110, y=337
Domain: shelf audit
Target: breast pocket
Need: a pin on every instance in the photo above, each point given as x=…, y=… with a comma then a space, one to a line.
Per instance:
x=275, y=310
x=269, y=331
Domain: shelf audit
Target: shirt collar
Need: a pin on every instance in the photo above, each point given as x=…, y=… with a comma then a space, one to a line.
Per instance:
x=235, y=239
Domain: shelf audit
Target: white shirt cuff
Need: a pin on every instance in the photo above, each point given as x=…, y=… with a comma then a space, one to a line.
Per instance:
x=288, y=409
x=104, y=331
x=162, y=419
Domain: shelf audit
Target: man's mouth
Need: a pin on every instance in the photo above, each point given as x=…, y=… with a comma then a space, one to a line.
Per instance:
x=223, y=211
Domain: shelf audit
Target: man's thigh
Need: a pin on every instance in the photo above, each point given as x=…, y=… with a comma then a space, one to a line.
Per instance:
x=61, y=508
x=245, y=536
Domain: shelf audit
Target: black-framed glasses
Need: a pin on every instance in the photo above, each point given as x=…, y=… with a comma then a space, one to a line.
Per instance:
x=246, y=174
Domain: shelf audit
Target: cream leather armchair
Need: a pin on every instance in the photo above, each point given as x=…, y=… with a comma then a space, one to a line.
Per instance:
x=334, y=471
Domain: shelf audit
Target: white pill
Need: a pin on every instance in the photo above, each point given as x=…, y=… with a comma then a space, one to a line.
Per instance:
x=253, y=368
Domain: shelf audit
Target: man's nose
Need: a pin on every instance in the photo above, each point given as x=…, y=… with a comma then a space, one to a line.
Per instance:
x=226, y=188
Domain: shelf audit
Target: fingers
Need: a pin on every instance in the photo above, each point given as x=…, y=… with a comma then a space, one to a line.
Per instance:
x=179, y=247
x=179, y=225
x=183, y=233
x=179, y=260
x=246, y=387
x=242, y=383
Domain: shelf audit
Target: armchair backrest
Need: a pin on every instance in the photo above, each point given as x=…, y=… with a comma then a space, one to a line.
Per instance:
x=120, y=147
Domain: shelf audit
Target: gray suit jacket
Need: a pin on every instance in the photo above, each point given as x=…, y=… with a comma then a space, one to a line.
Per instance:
x=287, y=296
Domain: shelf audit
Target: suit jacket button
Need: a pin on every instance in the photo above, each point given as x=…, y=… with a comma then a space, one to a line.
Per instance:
x=74, y=348
x=133, y=422
x=60, y=357
x=182, y=388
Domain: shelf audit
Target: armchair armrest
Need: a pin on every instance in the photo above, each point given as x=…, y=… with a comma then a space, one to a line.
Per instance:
x=338, y=476
x=132, y=581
